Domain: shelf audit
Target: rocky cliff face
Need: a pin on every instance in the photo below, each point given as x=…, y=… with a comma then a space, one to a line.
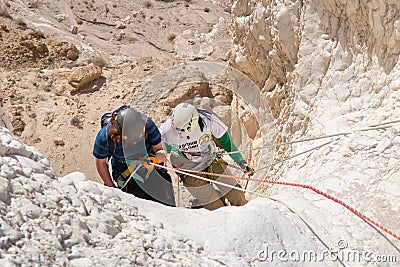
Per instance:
x=308, y=57
x=328, y=67
x=323, y=67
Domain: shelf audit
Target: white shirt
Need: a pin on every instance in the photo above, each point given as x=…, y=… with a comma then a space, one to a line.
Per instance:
x=199, y=147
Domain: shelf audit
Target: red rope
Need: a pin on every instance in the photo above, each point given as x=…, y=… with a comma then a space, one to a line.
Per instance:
x=358, y=213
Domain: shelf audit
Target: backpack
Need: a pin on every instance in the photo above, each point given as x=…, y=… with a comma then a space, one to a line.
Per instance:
x=104, y=121
x=206, y=114
x=106, y=117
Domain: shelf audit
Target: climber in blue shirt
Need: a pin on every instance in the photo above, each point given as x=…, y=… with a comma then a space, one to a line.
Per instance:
x=132, y=140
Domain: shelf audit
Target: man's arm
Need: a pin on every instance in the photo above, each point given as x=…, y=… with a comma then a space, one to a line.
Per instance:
x=160, y=153
x=229, y=146
x=102, y=169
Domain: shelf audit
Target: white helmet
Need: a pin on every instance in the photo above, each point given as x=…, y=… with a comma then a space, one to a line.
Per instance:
x=185, y=118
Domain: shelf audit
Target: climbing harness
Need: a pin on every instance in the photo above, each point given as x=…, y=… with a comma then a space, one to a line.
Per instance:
x=132, y=172
x=190, y=173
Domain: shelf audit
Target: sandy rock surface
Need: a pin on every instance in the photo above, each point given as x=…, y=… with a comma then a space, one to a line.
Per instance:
x=53, y=97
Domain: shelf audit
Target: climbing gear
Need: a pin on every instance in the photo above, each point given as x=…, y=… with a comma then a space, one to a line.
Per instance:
x=246, y=168
x=179, y=159
x=185, y=119
x=126, y=175
x=135, y=170
x=147, y=162
x=243, y=164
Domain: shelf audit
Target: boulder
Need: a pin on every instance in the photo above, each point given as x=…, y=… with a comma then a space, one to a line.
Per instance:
x=81, y=76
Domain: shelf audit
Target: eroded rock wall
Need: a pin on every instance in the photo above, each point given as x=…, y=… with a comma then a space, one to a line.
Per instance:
x=311, y=57
x=325, y=68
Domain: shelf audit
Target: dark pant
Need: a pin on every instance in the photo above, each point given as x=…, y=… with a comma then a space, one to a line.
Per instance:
x=157, y=187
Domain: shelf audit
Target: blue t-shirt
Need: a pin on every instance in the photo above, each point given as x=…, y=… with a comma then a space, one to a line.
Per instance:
x=142, y=149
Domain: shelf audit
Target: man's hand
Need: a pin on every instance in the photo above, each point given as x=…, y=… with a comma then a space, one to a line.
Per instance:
x=111, y=185
x=147, y=162
x=102, y=169
x=246, y=168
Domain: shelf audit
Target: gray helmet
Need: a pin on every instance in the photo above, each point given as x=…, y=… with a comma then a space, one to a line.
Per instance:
x=185, y=118
x=130, y=124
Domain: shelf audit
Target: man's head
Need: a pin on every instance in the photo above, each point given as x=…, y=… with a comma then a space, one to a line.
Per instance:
x=185, y=118
x=129, y=124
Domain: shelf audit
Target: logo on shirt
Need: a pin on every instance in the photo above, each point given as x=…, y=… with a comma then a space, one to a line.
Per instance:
x=204, y=139
x=188, y=146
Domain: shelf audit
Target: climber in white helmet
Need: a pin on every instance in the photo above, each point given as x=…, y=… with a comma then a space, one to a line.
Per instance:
x=190, y=135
